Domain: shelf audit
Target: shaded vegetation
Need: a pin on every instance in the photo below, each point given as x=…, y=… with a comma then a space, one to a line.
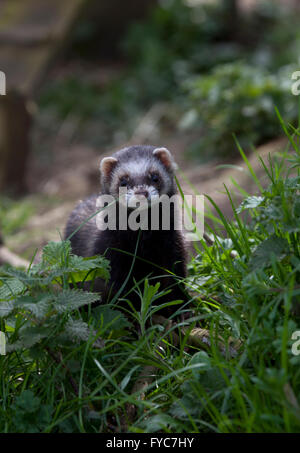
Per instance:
x=73, y=368
x=70, y=370
x=217, y=82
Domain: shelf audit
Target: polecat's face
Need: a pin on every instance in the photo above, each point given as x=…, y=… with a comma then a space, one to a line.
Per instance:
x=142, y=174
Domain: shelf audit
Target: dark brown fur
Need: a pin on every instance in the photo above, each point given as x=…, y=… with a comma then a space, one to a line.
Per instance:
x=157, y=252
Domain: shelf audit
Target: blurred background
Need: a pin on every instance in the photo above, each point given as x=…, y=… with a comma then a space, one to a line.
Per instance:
x=85, y=78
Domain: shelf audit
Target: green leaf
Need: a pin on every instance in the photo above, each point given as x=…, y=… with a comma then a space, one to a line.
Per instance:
x=79, y=267
x=159, y=422
x=273, y=246
x=56, y=253
x=38, y=306
x=250, y=203
x=33, y=334
x=10, y=288
x=109, y=318
x=127, y=378
x=202, y=359
x=28, y=279
x=29, y=336
x=77, y=330
x=296, y=208
x=27, y=402
x=6, y=308
x=71, y=299
x=29, y=415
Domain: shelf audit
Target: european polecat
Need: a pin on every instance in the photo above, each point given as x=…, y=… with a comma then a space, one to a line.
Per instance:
x=160, y=254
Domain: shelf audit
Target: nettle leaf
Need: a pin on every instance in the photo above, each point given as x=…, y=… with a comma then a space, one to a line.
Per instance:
x=28, y=279
x=27, y=402
x=96, y=267
x=71, y=299
x=77, y=330
x=56, y=252
x=29, y=336
x=111, y=319
x=6, y=308
x=273, y=246
x=293, y=182
x=250, y=203
x=53, y=276
x=33, y=334
x=57, y=255
x=274, y=211
x=29, y=414
x=78, y=263
x=11, y=287
x=38, y=306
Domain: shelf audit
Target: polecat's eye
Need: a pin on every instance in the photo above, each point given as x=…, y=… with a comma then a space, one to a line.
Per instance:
x=154, y=177
x=123, y=181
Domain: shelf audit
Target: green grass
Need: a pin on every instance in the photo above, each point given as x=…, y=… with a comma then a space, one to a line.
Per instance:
x=74, y=370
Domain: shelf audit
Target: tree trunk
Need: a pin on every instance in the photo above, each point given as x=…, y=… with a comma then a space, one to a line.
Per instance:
x=232, y=15
x=15, y=124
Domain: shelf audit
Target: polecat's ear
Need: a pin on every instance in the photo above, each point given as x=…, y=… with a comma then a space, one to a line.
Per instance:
x=166, y=158
x=107, y=165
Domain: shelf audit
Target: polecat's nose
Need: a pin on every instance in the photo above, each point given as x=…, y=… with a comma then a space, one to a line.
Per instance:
x=143, y=192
